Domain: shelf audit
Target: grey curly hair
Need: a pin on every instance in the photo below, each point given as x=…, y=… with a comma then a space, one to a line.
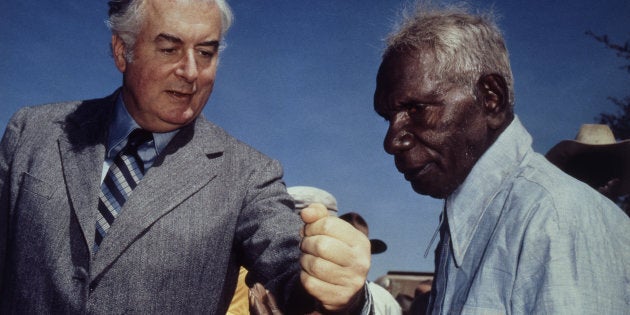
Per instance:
x=466, y=46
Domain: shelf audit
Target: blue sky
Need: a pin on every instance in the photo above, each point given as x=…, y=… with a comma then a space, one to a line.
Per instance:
x=296, y=81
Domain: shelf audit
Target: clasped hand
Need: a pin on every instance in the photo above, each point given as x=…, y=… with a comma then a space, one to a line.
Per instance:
x=335, y=259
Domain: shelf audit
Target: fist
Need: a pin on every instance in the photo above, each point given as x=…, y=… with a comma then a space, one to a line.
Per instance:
x=335, y=259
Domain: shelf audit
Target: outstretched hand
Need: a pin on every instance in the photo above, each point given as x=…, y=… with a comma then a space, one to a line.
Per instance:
x=335, y=259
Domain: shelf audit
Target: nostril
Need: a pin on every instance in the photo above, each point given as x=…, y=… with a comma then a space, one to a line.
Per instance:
x=401, y=141
x=404, y=139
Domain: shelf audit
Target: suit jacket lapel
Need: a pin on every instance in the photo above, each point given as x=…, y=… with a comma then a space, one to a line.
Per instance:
x=82, y=151
x=191, y=160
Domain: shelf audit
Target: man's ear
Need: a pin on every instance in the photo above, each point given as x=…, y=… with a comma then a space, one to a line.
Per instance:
x=493, y=94
x=118, y=50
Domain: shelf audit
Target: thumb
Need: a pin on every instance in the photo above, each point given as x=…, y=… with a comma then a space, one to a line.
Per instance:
x=313, y=212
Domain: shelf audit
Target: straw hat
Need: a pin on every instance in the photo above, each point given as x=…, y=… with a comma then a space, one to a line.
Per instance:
x=594, y=157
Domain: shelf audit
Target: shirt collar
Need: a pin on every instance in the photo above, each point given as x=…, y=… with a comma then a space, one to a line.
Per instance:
x=466, y=205
x=123, y=124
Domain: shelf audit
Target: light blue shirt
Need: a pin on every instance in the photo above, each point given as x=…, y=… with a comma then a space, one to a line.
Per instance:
x=525, y=238
x=121, y=126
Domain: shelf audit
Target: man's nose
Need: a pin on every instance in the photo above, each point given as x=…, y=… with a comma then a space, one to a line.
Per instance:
x=188, y=68
x=398, y=139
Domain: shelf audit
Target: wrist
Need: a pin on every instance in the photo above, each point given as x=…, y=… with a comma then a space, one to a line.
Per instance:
x=355, y=304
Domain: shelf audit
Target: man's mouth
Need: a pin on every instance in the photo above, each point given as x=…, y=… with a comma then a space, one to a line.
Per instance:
x=415, y=173
x=180, y=94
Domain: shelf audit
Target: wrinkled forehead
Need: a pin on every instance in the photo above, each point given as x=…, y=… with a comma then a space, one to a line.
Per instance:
x=409, y=71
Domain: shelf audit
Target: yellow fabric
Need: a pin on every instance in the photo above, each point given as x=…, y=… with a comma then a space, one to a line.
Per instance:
x=240, y=301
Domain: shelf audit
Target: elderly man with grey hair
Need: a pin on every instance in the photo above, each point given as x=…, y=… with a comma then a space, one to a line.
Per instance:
x=135, y=203
x=517, y=235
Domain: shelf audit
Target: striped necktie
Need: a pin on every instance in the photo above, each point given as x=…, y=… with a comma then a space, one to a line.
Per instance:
x=122, y=177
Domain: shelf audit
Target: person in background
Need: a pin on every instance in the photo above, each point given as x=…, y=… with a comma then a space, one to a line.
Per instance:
x=517, y=235
x=135, y=203
x=240, y=301
x=421, y=298
x=597, y=159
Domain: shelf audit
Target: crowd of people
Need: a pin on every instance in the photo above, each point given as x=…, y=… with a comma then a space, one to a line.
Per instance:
x=136, y=203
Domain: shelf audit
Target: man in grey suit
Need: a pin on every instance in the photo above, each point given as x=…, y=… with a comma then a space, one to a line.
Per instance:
x=204, y=204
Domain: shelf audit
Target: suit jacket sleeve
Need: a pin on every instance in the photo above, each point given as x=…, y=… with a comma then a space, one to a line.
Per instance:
x=7, y=147
x=268, y=230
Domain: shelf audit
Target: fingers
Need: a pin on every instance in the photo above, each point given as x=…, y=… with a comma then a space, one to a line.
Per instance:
x=332, y=273
x=256, y=304
x=262, y=302
x=273, y=305
x=335, y=258
x=313, y=213
x=329, y=249
x=338, y=229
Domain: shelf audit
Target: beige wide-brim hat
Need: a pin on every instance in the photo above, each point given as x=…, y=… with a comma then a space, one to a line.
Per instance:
x=594, y=157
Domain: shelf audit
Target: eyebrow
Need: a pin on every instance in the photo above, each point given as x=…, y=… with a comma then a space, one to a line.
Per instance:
x=176, y=40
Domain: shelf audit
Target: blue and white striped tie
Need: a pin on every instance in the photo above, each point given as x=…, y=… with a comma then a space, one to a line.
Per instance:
x=122, y=177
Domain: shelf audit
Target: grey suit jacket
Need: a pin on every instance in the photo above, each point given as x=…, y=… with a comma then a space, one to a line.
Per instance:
x=209, y=204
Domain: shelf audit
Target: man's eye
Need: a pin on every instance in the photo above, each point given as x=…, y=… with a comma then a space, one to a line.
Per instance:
x=413, y=108
x=206, y=54
x=168, y=51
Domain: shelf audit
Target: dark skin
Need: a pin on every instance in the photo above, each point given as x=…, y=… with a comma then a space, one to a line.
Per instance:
x=437, y=129
x=262, y=302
